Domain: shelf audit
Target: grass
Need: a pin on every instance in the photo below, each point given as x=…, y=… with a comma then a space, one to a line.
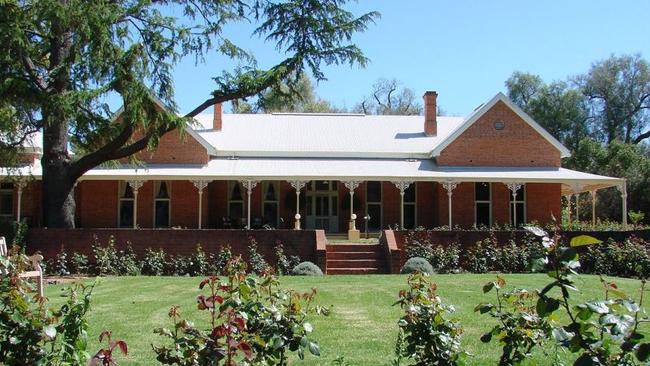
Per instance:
x=361, y=328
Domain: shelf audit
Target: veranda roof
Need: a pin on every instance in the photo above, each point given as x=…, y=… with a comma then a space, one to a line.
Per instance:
x=347, y=169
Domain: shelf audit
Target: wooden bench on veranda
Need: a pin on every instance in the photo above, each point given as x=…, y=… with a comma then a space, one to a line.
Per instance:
x=34, y=260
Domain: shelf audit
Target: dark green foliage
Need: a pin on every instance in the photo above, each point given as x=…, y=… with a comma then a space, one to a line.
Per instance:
x=59, y=267
x=178, y=265
x=446, y=259
x=106, y=258
x=429, y=335
x=284, y=264
x=306, y=269
x=520, y=328
x=418, y=245
x=600, y=332
x=258, y=264
x=29, y=332
x=64, y=60
x=127, y=263
x=416, y=265
x=630, y=258
x=153, y=262
x=251, y=320
x=198, y=264
x=79, y=263
x=222, y=259
x=483, y=256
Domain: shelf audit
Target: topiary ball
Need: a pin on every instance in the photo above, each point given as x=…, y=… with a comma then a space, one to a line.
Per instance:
x=417, y=264
x=306, y=269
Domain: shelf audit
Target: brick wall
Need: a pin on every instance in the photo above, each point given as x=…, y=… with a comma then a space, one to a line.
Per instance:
x=175, y=147
x=517, y=144
x=49, y=241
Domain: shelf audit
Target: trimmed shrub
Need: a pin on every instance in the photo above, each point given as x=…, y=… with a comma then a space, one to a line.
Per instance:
x=306, y=269
x=417, y=265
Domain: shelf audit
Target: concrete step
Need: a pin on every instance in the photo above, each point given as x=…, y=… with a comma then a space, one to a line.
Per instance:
x=354, y=248
x=355, y=263
x=355, y=255
x=341, y=271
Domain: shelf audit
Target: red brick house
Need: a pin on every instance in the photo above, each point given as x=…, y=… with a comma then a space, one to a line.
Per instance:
x=254, y=170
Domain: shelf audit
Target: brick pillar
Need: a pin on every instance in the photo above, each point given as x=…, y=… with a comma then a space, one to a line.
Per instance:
x=430, y=107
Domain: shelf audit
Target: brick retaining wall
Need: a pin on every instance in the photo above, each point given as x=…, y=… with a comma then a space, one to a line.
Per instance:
x=302, y=243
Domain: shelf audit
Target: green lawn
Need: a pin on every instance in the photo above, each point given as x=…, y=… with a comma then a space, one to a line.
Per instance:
x=362, y=326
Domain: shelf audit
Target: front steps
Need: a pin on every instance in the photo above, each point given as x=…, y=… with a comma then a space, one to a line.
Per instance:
x=355, y=258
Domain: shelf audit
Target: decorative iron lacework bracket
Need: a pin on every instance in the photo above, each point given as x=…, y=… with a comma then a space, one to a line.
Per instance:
x=351, y=185
x=249, y=185
x=201, y=184
x=402, y=185
x=449, y=186
x=135, y=185
x=298, y=184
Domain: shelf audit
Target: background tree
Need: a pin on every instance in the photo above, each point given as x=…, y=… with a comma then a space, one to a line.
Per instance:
x=299, y=97
x=618, y=89
x=390, y=97
x=602, y=117
x=63, y=59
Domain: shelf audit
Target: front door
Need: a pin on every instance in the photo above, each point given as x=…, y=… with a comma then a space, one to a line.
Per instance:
x=322, y=206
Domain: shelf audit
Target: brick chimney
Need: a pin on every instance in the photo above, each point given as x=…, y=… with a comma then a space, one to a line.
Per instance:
x=217, y=117
x=430, y=110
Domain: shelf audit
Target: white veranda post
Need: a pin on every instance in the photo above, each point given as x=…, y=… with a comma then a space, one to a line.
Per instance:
x=20, y=186
x=514, y=187
x=135, y=186
x=297, y=185
x=249, y=185
x=593, y=208
x=402, y=185
x=449, y=186
x=351, y=186
x=623, y=189
x=200, y=186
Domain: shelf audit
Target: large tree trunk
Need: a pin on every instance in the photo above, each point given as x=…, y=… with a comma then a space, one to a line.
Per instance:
x=58, y=182
x=58, y=199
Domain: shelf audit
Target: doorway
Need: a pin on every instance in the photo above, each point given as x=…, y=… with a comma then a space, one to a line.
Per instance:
x=323, y=205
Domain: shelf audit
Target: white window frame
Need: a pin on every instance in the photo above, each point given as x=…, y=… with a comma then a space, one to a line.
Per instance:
x=489, y=202
x=380, y=202
x=156, y=186
x=122, y=184
x=414, y=203
x=265, y=186
x=523, y=202
x=10, y=192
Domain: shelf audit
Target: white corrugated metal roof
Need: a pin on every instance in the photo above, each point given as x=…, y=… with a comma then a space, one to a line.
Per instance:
x=323, y=135
x=356, y=169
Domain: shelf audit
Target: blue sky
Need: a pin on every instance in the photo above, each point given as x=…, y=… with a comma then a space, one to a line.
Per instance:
x=464, y=50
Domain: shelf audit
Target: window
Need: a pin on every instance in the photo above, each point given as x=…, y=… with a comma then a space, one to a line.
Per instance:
x=271, y=203
x=6, y=199
x=520, y=204
x=483, y=204
x=410, y=220
x=373, y=204
x=127, y=206
x=162, y=204
x=236, y=203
